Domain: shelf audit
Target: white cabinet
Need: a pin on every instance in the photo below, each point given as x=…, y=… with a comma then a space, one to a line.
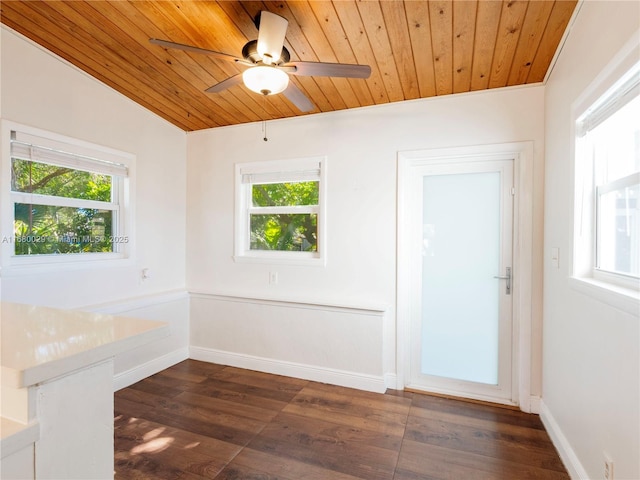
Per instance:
x=17, y=449
x=57, y=389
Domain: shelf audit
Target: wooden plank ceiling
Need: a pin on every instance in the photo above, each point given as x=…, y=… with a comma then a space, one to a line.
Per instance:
x=416, y=49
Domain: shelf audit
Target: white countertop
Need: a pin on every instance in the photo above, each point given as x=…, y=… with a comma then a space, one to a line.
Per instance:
x=40, y=343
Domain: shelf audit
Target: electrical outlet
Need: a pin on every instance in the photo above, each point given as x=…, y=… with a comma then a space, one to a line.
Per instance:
x=608, y=467
x=273, y=278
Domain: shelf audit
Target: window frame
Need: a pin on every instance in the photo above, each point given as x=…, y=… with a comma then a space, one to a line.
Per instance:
x=603, y=97
x=81, y=156
x=280, y=171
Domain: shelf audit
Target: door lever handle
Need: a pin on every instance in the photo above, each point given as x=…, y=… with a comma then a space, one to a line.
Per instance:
x=506, y=277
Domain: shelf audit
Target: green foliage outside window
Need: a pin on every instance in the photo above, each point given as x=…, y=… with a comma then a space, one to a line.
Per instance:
x=49, y=229
x=284, y=231
x=285, y=194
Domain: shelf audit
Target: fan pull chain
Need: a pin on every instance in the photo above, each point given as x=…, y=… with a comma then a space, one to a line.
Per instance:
x=264, y=122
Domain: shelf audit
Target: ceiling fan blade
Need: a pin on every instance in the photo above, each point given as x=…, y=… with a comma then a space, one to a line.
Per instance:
x=273, y=29
x=189, y=48
x=298, y=98
x=228, y=83
x=321, y=69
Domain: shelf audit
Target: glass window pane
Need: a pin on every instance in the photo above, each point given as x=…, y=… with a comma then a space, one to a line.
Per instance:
x=617, y=144
x=285, y=194
x=47, y=229
x=284, y=232
x=43, y=179
x=619, y=231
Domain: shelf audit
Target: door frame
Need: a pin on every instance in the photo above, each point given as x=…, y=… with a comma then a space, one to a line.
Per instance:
x=522, y=155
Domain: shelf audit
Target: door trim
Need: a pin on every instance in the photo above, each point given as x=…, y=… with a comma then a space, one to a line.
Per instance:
x=522, y=155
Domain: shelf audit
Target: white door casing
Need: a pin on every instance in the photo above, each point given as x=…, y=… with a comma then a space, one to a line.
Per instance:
x=410, y=166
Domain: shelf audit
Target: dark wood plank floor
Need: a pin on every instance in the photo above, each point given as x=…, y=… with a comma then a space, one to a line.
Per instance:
x=198, y=420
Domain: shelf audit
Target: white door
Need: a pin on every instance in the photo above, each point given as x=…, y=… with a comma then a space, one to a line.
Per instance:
x=461, y=322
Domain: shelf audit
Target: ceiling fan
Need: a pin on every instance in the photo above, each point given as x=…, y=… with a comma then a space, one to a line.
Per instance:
x=269, y=64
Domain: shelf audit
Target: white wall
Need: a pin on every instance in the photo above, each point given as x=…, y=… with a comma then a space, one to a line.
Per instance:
x=40, y=90
x=361, y=146
x=591, y=349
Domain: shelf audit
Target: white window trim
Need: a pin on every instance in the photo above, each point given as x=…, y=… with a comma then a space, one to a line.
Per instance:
x=242, y=210
x=611, y=289
x=17, y=265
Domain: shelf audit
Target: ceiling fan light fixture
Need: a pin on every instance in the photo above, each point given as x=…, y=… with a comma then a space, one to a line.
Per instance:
x=265, y=80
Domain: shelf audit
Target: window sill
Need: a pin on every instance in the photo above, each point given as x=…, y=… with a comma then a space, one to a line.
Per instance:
x=624, y=299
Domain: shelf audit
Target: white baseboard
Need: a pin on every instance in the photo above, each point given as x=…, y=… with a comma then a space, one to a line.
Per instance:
x=567, y=454
x=391, y=381
x=342, y=378
x=129, y=377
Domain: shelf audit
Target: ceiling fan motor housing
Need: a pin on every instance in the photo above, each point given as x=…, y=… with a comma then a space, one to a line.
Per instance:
x=250, y=53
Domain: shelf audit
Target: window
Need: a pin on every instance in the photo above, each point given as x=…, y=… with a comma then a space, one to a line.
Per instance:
x=279, y=211
x=608, y=160
x=67, y=201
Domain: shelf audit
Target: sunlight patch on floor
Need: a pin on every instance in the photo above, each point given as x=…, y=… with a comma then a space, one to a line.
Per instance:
x=153, y=434
x=153, y=446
